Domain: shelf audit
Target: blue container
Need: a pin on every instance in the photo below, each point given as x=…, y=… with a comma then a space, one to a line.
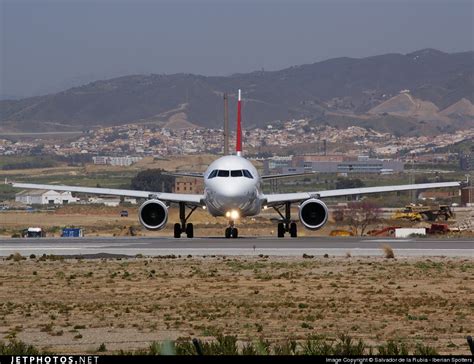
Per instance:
x=72, y=233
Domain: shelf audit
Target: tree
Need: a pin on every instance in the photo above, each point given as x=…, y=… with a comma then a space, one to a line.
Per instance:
x=349, y=183
x=360, y=215
x=153, y=180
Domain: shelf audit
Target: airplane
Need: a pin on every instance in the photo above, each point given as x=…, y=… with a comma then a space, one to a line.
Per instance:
x=233, y=188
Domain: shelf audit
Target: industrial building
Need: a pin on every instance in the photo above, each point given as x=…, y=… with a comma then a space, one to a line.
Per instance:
x=336, y=163
x=339, y=164
x=111, y=201
x=115, y=161
x=277, y=163
x=45, y=197
x=467, y=196
x=188, y=185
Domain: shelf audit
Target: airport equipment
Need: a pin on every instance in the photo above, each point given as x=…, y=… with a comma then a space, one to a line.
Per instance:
x=438, y=229
x=341, y=233
x=387, y=231
x=427, y=213
x=407, y=232
x=33, y=232
x=124, y=213
x=72, y=233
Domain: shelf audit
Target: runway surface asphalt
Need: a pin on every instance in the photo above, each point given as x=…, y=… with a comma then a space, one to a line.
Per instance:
x=246, y=246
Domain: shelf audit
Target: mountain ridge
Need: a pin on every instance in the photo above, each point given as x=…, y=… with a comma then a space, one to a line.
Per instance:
x=314, y=91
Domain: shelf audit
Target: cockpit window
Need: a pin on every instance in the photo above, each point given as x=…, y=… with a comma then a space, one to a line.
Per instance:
x=235, y=173
x=212, y=174
x=247, y=174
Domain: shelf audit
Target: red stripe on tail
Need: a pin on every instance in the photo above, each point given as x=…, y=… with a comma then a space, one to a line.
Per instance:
x=239, y=126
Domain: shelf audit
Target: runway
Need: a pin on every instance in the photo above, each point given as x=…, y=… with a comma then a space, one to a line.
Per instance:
x=251, y=246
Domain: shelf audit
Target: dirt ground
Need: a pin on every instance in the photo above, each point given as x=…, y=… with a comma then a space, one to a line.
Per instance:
x=73, y=306
x=100, y=220
x=106, y=221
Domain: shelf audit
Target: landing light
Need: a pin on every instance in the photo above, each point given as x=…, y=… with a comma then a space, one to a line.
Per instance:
x=204, y=207
x=265, y=207
x=232, y=214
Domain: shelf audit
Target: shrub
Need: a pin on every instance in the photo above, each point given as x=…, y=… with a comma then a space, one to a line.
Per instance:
x=17, y=257
x=15, y=347
x=424, y=350
x=393, y=348
x=102, y=348
x=388, y=251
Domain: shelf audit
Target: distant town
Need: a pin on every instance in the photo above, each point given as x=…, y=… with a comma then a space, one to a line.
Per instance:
x=126, y=144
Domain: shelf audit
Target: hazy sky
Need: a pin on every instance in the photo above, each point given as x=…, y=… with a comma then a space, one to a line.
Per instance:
x=51, y=45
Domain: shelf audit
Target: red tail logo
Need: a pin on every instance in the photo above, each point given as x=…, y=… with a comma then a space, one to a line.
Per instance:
x=239, y=125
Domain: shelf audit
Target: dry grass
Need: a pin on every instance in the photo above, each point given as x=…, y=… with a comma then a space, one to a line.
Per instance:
x=388, y=251
x=75, y=305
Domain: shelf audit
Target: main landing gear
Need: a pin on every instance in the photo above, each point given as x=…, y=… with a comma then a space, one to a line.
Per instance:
x=231, y=231
x=286, y=226
x=183, y=227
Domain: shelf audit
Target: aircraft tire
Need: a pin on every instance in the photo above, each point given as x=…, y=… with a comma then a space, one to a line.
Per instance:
x=190, y=230
x=281, y=230
x=227, y=233
x=293, y=230
x=177, y=230
x=235, y=233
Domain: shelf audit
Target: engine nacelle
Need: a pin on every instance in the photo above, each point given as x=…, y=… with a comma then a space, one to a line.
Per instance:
x=153, y=214
x=313, y=214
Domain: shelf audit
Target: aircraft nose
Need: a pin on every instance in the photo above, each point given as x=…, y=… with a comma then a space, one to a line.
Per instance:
x=235, y=192
x=232, y=189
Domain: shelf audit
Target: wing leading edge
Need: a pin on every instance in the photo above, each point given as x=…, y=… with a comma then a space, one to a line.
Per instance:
x=286, y=175
x=273, y=199
x=164, y=196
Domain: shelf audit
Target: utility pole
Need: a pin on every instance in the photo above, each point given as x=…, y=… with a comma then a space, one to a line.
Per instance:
x=412, y=181
x=226, y=124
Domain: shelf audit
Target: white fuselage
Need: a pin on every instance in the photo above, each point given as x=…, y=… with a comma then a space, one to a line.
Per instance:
x=234, y=187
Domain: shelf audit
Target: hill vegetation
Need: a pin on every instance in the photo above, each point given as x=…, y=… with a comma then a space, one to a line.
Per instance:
x=325, y=92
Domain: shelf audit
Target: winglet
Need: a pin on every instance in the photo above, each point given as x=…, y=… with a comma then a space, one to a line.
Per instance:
x=239, y=125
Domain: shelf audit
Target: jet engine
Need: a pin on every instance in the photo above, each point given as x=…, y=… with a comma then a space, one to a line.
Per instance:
x=313, y=213
x=153, y=214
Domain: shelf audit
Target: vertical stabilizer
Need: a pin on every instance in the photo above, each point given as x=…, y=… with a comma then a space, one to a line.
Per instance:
x=239, y=125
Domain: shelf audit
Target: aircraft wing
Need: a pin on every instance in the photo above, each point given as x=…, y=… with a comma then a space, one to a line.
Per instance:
x=286, y=175
x=163, y=196
x=184, y=174
x=275, y=199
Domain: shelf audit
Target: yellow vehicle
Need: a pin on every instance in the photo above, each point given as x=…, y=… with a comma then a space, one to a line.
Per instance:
x=427, y=213
x=407, y=214
x=341, y=233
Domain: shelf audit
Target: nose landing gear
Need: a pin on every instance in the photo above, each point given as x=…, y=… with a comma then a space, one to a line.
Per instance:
x=231, y=231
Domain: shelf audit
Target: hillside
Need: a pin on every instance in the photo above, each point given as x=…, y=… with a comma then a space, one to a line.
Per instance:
x=360, y=88
x=461, y=108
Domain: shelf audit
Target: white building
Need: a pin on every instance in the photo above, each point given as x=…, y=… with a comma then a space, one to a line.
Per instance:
x=116, y=161
x=45, y=197
x=110, y=201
